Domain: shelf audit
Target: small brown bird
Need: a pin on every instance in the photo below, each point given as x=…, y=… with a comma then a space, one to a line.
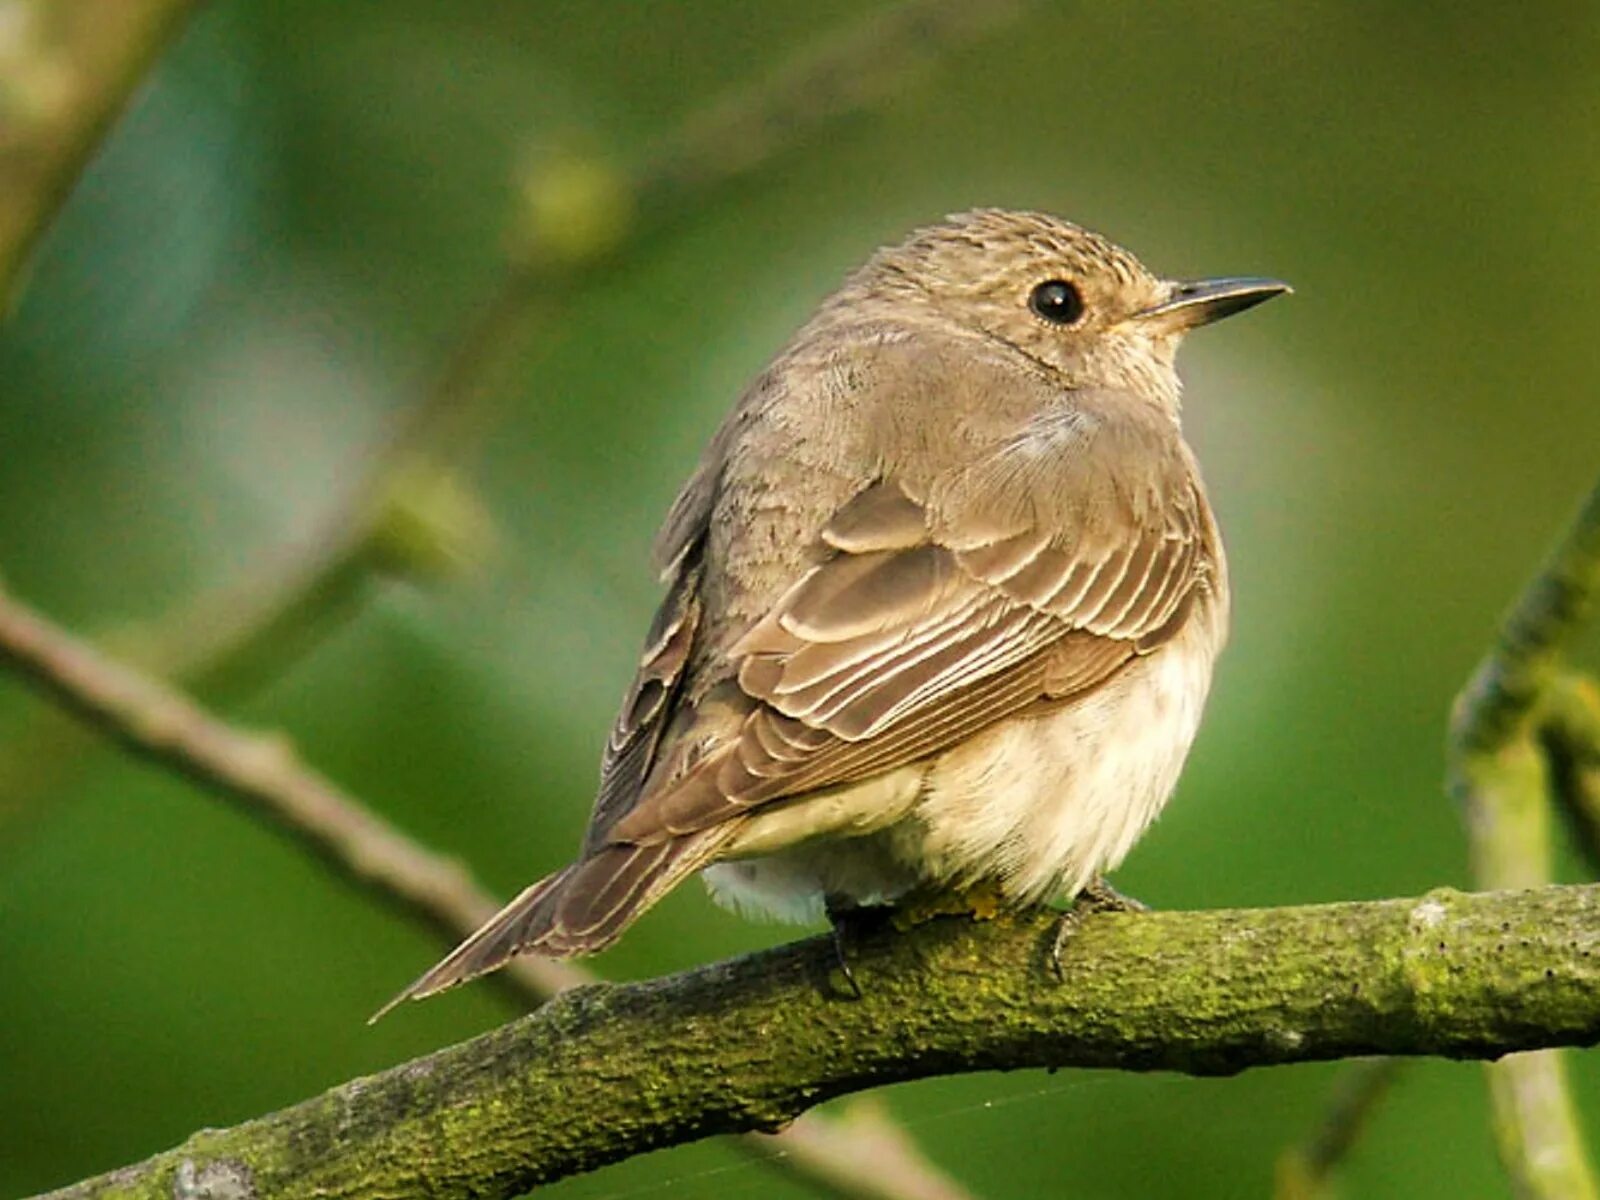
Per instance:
x=943, y=599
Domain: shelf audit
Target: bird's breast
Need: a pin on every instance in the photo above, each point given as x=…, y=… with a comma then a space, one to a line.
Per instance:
x=1045, y=803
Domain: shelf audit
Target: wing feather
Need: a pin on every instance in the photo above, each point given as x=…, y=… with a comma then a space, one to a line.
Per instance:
x=1001, y=590
x=631, y=749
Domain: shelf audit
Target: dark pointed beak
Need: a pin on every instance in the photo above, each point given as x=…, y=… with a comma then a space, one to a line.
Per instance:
x=1202, y=301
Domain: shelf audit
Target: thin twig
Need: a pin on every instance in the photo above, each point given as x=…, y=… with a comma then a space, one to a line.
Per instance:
x=861, y=68
x=260, y=774
x=603, y=1073
x=66, y=71
x=1305, y=1171
x=263, y=776
x=1501, y=775
x=578, y=217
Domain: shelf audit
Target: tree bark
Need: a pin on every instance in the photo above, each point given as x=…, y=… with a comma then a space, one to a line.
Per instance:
x=606, y=1072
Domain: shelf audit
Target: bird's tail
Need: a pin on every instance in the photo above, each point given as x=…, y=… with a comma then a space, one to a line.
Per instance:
x=580, y=909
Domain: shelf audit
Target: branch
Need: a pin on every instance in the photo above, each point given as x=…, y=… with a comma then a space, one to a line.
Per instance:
x=863, y=67
x=1305, y=1171
x=1535, y=1119
x=1501, y=773
x=66, y=71
x=1504, y=692
x=263, y=776
x=602, y=1073
x=1570, y=735
x=259, y=774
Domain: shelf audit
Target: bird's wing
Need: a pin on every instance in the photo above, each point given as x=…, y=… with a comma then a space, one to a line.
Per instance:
x=1033, y=575
x=648, y=708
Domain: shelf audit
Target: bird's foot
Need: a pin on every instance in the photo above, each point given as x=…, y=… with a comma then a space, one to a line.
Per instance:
x=843, y=919
x=843, y=959
x=1097, y=896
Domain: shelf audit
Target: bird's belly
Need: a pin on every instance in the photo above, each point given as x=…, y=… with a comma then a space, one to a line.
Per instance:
x=788, y=863
x=1041, y=806
x=1037, y=805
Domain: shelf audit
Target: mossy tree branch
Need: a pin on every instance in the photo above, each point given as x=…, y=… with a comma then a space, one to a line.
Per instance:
x=603, y=1073
x=264, y=777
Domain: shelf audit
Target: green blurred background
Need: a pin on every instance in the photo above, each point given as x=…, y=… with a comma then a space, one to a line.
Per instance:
x=302, y=212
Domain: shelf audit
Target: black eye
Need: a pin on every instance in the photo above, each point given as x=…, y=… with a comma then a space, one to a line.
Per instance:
x=1057, y=301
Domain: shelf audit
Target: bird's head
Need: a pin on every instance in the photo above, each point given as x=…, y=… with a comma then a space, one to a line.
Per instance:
x=1073, y=302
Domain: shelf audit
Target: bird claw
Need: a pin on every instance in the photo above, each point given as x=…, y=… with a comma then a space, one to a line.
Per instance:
x=1097, y=896
x=844, y=962
x=1066, y=925
x=837, y=919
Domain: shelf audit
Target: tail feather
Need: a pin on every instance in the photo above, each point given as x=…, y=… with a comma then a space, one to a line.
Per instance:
x=605, y=893
x=580, y=909
x=493, y=945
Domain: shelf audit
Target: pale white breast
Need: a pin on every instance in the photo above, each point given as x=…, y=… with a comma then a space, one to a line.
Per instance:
x=1044, y=805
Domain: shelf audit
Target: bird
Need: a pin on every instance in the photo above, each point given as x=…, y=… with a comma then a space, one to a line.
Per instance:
x=942, y=603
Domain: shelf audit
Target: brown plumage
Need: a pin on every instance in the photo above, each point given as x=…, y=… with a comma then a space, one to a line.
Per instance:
x=942, y=601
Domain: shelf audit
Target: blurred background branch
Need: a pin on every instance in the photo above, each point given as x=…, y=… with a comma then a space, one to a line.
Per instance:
x=1519, y=704
x=1306, y=1170
x=1501, y=702
x=1524, y=741
x=263, y=776
x=413, y=515
x=1569, y=732
x=66, y=71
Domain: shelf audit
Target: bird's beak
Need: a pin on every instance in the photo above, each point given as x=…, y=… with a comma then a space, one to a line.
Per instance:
x=1201, y=301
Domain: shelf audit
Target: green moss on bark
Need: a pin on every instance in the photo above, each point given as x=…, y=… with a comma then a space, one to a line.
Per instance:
x=603, y=1073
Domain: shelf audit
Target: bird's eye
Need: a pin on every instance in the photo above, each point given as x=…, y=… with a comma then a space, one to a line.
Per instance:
x=1057, y=301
